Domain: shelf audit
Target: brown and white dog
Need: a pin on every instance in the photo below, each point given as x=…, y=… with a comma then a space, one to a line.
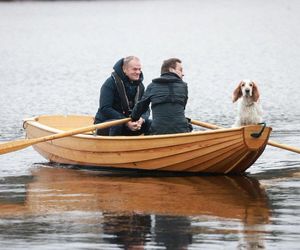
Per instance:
x=249, y=109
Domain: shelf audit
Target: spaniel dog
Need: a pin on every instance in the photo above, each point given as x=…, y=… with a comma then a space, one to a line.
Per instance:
x=249, y=109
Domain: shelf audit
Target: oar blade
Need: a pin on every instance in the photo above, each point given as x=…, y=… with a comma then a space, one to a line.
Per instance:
x=8, y=147
x=284, y=146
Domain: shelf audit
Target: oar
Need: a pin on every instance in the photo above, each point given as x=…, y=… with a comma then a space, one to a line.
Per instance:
x=271, y=143
x=7, y=147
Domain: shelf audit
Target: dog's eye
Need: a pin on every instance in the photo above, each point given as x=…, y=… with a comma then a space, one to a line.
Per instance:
x=251, y=84
x=243, y=85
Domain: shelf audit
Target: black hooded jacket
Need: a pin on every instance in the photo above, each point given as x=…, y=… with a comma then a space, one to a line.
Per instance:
x=168, y=96
x=110, y=107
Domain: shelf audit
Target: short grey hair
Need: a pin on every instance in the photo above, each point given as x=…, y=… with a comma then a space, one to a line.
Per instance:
x=128, y=59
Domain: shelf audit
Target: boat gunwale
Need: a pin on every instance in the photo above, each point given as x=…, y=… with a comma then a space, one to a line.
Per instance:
x=35, y=123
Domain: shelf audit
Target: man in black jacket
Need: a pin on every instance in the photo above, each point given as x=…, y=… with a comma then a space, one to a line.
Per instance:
x=168, y=96
x=118, y=95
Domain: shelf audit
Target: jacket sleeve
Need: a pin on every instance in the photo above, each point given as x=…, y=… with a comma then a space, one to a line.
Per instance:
x=141, y=108
x=107, y=94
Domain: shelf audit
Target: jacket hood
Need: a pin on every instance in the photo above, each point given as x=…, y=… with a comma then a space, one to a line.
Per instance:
x=118, y=68
x=167, y=78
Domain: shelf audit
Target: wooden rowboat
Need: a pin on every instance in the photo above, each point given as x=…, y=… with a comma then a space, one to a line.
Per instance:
x=223, y=151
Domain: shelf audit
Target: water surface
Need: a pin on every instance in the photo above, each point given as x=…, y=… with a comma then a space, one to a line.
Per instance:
x=54, y=57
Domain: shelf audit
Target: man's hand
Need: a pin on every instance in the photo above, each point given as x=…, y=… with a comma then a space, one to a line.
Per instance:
x=134, y=126
x=140, y=123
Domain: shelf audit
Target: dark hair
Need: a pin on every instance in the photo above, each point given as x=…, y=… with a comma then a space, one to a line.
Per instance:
x=169, y=63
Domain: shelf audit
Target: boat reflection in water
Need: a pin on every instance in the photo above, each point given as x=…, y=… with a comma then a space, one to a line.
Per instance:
x=134, y=210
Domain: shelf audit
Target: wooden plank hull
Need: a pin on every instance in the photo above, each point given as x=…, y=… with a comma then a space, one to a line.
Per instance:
x=223, y=151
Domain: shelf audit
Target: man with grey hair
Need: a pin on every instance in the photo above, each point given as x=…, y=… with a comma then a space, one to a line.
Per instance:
x=118, y=95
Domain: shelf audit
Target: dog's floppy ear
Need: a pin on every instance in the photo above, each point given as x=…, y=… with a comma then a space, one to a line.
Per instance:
x=237, y=93
x=255, y=92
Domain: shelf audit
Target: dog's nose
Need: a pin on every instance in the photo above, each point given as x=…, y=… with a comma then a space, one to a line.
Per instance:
x=247, y=91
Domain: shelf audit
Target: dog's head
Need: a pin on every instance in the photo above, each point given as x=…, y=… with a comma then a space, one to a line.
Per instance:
x=246, y=88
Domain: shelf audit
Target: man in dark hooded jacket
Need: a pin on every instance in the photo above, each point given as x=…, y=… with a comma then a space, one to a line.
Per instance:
x=118, y=95
x=168, y=96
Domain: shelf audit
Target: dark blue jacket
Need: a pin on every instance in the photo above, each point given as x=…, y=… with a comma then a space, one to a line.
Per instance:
x=110, y=107
x=168, y=96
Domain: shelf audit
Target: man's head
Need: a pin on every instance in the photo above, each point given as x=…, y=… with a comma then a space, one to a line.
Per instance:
x=132, y=67
x=172, y=65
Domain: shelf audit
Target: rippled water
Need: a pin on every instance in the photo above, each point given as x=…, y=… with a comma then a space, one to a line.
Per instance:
x=54, y=57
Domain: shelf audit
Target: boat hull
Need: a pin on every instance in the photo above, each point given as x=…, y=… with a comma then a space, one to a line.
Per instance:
x=223, y=151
